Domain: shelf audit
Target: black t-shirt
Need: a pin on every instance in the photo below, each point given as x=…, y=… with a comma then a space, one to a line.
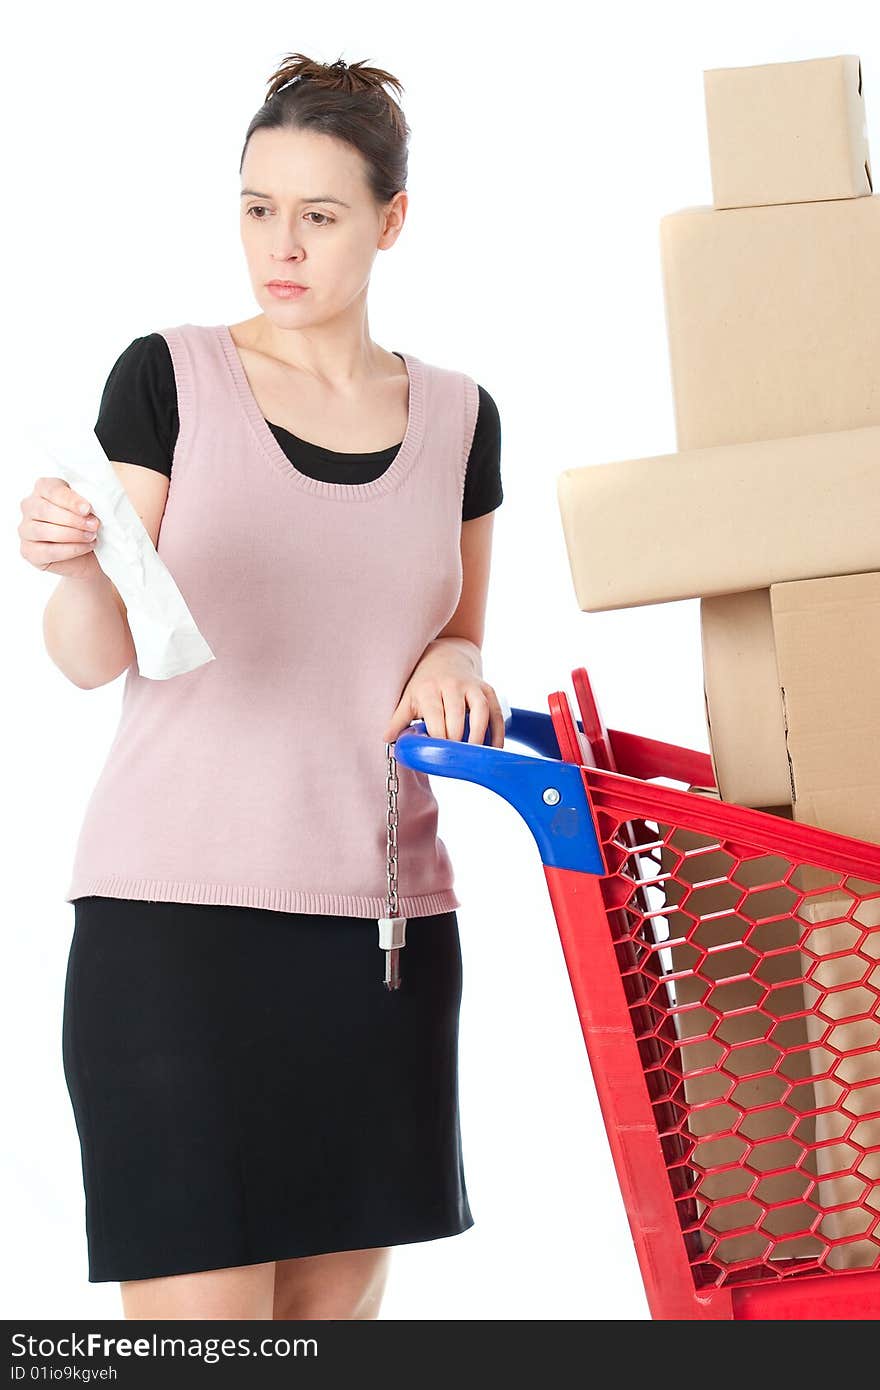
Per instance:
x=138, y=423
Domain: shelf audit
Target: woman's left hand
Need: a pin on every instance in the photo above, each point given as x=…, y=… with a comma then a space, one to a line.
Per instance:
x=442, y=688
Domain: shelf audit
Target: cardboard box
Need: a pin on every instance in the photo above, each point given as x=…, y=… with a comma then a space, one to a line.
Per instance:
x=836, y=990
x=823, y=639
x=827, y=636
x=724, y=519
x=787, y=132
x=832, y=1026
x=827, y=639
x=773, y=319
x=743, y=701
x=743, y=1021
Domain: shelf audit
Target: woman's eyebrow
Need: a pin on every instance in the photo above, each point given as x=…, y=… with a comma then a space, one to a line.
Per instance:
x=322, y=198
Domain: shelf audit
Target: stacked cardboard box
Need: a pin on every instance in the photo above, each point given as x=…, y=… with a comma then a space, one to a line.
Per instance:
x=697, y=993
x=768, y=514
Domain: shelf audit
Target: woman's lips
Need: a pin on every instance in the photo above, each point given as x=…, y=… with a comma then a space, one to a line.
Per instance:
x=285, y=291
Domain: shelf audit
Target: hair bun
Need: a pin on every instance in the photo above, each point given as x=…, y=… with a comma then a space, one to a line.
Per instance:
x=340, y=75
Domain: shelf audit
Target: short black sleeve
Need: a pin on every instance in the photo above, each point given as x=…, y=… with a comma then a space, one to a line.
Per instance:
x=137, y=419
x=482, y=483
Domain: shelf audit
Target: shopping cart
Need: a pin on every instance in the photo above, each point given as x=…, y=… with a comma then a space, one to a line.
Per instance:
x=725, y=964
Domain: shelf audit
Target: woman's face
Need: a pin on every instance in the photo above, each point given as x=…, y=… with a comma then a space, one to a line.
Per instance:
x=308, y=215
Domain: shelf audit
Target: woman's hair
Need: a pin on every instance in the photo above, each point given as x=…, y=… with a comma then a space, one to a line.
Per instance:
x=347, y=101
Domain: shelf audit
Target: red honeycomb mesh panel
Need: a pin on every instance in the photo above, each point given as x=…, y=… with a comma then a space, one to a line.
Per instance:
x=753, y=983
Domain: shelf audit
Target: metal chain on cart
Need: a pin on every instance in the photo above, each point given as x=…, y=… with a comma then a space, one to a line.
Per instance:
x=392, y=786
x=392, y=928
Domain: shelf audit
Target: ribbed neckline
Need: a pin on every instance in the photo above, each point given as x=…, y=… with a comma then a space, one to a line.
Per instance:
x=386, y=482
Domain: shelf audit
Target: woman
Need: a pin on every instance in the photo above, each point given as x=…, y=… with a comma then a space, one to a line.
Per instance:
x=260, y=1118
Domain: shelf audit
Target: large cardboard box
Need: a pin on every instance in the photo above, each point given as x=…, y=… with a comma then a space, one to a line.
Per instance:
x=827, y=640
x=787, y=132
x=713, y=1095
x=833, y=1175
x=725, y=519
x=843, y=986
x=773, y=319
x=827, y=637
x=743, y=701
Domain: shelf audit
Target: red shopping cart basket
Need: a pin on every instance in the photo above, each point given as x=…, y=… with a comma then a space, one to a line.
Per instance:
x=725, y=964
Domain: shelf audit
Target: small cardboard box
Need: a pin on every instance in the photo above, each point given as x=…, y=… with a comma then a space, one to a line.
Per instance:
x=722, y=520
x=773, y=319
x=787, y=132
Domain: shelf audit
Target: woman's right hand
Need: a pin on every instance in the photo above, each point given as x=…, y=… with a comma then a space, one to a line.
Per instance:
x=55, y=530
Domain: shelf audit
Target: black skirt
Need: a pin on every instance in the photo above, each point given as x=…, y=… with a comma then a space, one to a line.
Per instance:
x=246, y=1089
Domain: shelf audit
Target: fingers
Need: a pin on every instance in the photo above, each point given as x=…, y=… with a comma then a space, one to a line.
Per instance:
x=479, y=713
x=484, y=709
x=36, y=529
x=57, y=523
x=432, y=712
x=443, y=710
x=57, y=496
x=496, y=714
x=454, y=708
x=43, y=553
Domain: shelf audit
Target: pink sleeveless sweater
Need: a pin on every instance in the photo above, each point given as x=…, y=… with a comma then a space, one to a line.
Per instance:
x=259, y=778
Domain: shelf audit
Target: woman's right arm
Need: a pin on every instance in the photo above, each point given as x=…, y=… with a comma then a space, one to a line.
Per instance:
x=85, y=626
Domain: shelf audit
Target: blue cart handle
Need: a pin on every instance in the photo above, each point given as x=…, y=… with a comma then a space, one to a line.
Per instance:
x=547, y=792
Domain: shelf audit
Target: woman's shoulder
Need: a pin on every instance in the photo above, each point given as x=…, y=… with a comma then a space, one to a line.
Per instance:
x=145, y=357
x=488, y=408
x=137, y=416
x=141, y=379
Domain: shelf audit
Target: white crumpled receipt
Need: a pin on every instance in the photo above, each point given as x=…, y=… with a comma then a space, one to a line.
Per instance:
x=166, y=639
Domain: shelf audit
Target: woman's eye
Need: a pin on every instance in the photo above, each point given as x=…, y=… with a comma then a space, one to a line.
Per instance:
x=258, y=208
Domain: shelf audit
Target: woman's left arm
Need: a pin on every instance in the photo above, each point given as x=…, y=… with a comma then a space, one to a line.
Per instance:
x=447, y=681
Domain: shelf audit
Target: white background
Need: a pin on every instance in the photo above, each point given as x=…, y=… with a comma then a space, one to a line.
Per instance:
x=546, y=145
